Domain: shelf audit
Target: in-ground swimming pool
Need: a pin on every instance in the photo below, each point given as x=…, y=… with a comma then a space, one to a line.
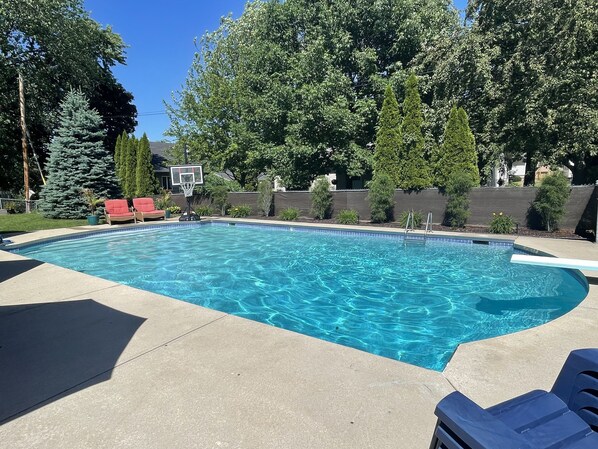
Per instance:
x=367, y=291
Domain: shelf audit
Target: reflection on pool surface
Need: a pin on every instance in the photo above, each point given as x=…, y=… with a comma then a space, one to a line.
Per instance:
x=413, y=303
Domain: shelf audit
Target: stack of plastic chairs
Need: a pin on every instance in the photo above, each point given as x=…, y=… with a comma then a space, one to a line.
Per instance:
x=564, y=418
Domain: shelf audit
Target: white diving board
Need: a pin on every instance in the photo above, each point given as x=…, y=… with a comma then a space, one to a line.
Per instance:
x=557, y=262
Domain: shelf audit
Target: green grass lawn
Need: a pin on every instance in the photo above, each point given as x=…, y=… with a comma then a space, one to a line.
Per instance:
x=13, y=223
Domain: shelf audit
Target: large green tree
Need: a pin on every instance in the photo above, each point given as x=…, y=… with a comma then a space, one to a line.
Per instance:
x=78, y=160
x=55, y=45
x=414, y=168
x=525, y=72
x=293, y=88
x=388, y=138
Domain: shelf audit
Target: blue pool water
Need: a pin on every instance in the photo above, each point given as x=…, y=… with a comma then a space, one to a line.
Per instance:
x=410, y=303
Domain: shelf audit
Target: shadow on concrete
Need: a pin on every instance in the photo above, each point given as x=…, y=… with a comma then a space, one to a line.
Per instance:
x=592, y=280
x=587, y=223
x=12, y=268
x=52, y=349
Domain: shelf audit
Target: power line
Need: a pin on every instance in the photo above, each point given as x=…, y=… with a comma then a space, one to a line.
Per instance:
x=161, y=112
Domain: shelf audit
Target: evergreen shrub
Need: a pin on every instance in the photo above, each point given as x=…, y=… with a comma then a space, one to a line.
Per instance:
x=289, y=214
x=146, y=183
x=550, y=200
x=219, y=195
x=501, y=224
x=264, y=197
x=458, y=151
x=321, y=199
x=457, y=208
x=348, y=217
x=414, y=168
x=381, y=197
x=388, y=138
x=129, y=169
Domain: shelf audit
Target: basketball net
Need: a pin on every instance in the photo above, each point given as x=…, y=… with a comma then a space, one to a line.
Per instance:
x=187, y=188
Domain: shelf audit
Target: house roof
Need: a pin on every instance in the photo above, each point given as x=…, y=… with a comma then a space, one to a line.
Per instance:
x=159, y=150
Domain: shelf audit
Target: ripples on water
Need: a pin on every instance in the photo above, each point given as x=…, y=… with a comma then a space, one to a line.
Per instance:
x=414, y=303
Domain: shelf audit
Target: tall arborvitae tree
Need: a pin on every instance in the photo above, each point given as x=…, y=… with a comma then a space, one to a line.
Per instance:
x=414, y=169
x=117, y=152
x=146, y=182
x=122, y=158
x=458, y=152
x=78, y=160
x=388, y=138
x=130, y=172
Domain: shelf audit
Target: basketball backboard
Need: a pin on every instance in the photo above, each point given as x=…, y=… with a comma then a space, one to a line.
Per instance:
x=185, y=171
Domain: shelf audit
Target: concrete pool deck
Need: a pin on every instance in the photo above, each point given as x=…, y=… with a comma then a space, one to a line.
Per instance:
x=88, y=363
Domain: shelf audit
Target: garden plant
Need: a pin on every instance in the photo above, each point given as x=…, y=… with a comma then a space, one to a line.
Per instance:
x=264, y=197
x=321, y=199
x=240, y=211
x=502, y=223
x=457, y=208
x=550, y=200
x=289, y=214
x=348, y=217
x=382, y=198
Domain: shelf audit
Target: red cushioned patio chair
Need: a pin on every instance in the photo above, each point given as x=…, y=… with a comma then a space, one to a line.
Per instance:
x=118, y=211
x=145, y=208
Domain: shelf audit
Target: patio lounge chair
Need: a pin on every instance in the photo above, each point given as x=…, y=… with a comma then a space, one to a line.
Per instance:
x=564, y=418
x=145, y=208
x=118, y=211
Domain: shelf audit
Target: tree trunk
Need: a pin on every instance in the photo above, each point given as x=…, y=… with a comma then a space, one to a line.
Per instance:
x=530, y=170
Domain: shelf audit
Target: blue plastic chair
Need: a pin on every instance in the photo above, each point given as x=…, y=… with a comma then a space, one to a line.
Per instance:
x=564, y=418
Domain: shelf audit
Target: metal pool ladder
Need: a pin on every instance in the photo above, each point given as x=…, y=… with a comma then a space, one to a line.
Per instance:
x=409, y=226
x=428, y=225
x=409, y=222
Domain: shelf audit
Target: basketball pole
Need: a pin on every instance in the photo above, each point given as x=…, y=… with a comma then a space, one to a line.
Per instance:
x=189, y=216
x=189, y=197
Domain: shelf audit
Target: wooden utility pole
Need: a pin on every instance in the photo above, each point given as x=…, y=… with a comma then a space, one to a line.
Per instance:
x=24, y=141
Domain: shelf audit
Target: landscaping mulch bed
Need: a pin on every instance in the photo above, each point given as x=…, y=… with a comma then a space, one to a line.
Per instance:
x=522, y=231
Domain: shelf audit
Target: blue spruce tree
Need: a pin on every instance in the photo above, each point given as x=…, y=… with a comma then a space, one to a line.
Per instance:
x=78, y=160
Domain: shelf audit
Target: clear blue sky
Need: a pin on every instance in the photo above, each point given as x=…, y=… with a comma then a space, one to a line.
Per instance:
x=160, y=38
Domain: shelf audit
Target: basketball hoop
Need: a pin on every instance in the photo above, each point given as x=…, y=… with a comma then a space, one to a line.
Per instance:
x=187, y=177
x=187, y=188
